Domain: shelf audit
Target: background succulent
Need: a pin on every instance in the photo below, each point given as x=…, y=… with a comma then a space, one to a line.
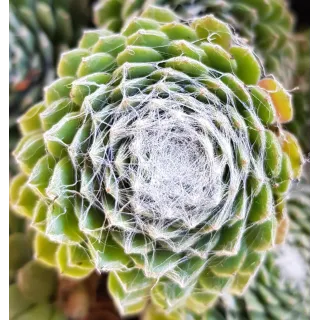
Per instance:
x=267, y=25
x=30, y=55
x=30, y=58
x=38, y=31
x=301, y=96
x=158, y=156
x=281, y=290
x=32, y=286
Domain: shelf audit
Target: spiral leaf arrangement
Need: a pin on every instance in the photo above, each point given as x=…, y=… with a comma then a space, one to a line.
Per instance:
x=158, y=156
x=266, y=24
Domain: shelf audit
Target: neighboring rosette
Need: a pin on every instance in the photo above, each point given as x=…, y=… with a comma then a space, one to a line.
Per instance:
x=32, y=285
x=300, y=125
x=38, y=31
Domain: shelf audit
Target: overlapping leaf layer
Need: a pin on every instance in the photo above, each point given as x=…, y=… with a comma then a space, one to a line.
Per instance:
x=266, y=24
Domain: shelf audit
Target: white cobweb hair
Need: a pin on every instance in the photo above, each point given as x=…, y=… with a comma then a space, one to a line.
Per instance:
x=167, y=158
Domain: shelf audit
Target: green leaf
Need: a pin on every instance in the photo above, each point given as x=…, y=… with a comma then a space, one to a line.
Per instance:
x=248, y=68
x=140, y=23
x=91, y=37
x=45, y=250
x=138, y=54
x=70, y=61
x=58, y=89
x=29, y=150
x=30, y=121
x=213, y=29
x=261, y=236
x=41, y=174
x=179, y=31
x=159, y=14
x=113, y=44
x=188, y=66
x=98, y=62
x=218, y=58
x=263, y=105
x=262, y=205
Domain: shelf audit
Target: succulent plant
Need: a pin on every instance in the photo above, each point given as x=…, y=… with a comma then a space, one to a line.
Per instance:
x=38, y=31
x=158, y=156
x=300, y=125
x=281, y=288
x=30, y=54
x=32, y=286
x=266, y=24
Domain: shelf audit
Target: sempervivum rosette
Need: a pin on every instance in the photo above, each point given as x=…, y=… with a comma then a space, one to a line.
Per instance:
x=265, y=24
x=158, y=156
